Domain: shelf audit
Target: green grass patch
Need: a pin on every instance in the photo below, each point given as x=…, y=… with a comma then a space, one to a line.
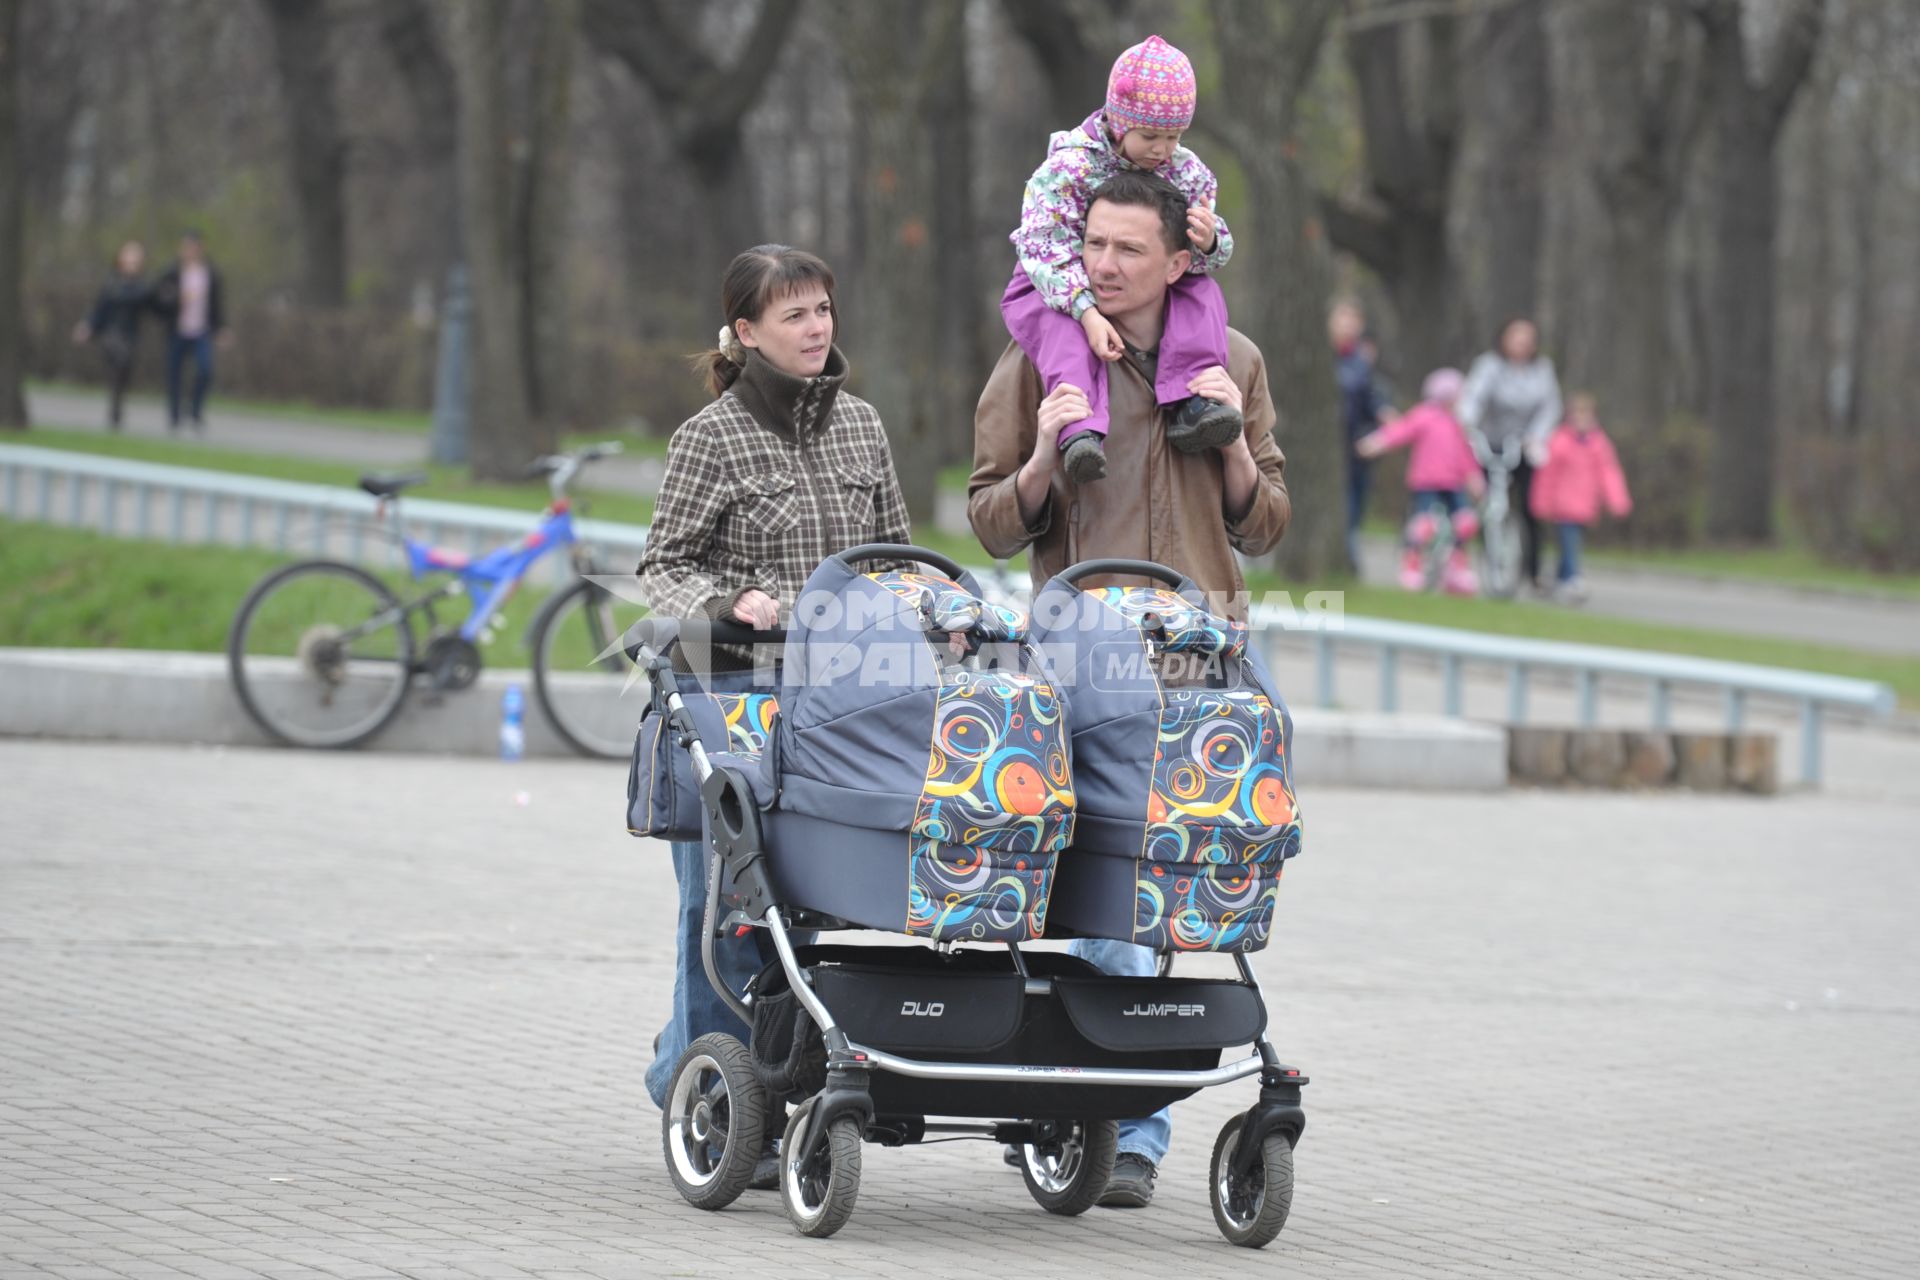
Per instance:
x=448, y=484
x=75, y=589
x=1539, y=621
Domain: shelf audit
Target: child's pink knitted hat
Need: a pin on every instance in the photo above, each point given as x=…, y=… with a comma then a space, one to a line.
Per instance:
x=1151, y=86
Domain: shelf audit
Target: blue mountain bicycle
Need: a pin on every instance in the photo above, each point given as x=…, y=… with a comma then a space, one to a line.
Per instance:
x=322, y=653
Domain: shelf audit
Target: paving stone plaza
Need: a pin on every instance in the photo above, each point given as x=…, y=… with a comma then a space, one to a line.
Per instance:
x=280, y=1014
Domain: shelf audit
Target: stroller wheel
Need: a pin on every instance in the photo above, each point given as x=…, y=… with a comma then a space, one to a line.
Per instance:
x=819, y=1193
x=1068, y=1171
x=1251, y=1209
x=714, y=1122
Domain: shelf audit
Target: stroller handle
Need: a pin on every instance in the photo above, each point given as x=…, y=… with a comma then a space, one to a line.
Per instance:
x=901, y=551
x=657, y=633
x=1130, y=568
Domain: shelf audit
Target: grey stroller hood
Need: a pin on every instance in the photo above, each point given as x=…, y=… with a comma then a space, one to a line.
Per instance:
x=1182, y=766
x=886, y=751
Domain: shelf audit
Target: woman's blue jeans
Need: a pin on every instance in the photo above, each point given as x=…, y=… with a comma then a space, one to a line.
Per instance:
x=697, y=1009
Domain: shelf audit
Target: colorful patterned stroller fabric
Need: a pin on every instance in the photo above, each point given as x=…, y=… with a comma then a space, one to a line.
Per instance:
x=913, y=792
x=1186, y=809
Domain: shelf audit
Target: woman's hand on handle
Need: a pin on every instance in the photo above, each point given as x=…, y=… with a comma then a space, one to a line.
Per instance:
x=757, y=609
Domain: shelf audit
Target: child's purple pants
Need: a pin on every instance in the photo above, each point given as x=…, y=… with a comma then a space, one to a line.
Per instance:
x=1195, y=339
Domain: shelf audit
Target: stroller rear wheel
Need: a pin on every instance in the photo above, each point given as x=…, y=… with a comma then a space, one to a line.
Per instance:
x=819, y=1192
x=1067, y=1170
x=1251, y=1209
x=714, y=1122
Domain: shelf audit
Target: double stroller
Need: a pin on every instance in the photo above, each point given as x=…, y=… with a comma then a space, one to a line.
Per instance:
x=1112, y=764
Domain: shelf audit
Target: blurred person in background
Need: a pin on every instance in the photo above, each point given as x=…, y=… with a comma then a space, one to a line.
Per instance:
x=1581, y=477
x=1512, y=391
x=114, y=323
x=1362, y=408
x=188, y=295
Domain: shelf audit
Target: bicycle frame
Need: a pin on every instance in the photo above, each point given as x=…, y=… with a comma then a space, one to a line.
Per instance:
x=492, y=578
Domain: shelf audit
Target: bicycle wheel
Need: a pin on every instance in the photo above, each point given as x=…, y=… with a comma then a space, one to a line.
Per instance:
x=581, y=674
x=320, y=654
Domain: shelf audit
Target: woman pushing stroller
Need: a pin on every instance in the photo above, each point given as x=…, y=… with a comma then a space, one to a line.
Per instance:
x=782, y=470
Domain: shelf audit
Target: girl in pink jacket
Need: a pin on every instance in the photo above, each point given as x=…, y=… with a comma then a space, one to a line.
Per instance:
x=1444, y=478
x=1581, y=476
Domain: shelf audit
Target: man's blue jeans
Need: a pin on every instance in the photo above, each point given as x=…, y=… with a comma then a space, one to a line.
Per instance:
x=178, y=349
x=1152, y=1136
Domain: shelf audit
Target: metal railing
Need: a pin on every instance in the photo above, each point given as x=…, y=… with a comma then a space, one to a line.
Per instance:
x=188, y=504
x=86, y=490
x=1811, y=693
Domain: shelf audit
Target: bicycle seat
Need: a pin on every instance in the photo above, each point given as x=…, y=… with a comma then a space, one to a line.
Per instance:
x=389, y=486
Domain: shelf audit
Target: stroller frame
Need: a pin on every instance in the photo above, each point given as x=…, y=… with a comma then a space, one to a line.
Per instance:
x=740, y=894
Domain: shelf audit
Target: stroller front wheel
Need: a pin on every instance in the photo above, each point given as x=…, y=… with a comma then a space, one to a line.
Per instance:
x=714, y=1122
x=1251, y=1209
x=819, y=1192
x=1068, y=1171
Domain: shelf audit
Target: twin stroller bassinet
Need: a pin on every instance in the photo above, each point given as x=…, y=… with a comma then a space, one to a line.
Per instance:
x=936, y=765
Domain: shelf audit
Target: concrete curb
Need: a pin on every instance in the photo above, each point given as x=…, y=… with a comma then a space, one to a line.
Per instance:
x=147, y=696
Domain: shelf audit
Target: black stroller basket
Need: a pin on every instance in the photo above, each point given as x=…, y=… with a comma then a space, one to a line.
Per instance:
x=895, y=1044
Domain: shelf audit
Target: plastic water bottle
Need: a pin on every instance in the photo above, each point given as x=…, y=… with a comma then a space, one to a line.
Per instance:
x=513, y=735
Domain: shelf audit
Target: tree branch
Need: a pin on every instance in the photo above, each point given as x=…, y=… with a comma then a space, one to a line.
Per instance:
x=1792, y=58
x=1363, y=232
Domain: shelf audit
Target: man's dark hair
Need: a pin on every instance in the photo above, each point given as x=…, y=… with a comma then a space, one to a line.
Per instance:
x=1149, y=192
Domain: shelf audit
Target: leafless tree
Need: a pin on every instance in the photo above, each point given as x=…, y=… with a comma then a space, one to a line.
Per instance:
x=13, y=404
x=1267, y=55
x=316, y=147
x=1747, y=113
x=1508, y=95
x=703, y=101
x=909, y=302
x=1406, y=73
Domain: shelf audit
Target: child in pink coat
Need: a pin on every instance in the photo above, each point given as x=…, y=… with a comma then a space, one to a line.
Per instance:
x=1442, y=474
x=1582, y=475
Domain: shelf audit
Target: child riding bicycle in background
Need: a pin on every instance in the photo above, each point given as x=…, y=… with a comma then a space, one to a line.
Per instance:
x=1444, y=478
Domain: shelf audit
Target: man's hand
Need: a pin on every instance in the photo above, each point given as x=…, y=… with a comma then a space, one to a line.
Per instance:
x=1217, y=384
x=757, y=609
x=81, y=333
x=1067, y=405
x=1102, y=336
x=1201, y=228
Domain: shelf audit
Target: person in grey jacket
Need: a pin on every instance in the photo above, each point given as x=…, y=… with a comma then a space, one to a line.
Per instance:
x=1511, y=392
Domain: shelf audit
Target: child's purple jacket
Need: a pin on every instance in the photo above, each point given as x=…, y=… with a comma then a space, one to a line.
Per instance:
x=1053, y=214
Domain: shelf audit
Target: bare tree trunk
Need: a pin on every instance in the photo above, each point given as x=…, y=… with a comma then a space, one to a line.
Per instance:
x=13, y=401
x=316, y=148
x=545, y=191
x=1747, y=116
x=1513, y=110
x=1076, y=42
x=1407, y=75
x=1640, y=93
x=503, y=435
x=900, y=320
x=1267, y=54
x=407, y=29
x=703, y=103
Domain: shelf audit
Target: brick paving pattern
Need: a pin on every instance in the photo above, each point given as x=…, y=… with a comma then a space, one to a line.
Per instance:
x=273, y=1014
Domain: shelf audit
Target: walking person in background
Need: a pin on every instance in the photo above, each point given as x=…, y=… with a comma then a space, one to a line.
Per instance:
x=1581, y=476
x=1361, y=408
x=1513, y=393
x=114, y=323
x=1444, y=479
x=188, y=295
